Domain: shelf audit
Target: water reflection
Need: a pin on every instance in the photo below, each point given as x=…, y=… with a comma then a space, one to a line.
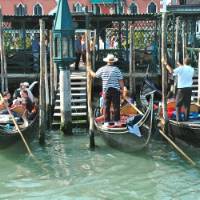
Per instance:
x=68, y=170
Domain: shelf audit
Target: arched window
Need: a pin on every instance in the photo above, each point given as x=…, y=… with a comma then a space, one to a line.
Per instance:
x=133, y=8
x=152, y=8
x=20, y=10
x=37, y=9
x=78, y=7
x=182, y=2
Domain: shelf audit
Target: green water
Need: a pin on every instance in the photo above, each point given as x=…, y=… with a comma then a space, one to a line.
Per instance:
x=67, y=170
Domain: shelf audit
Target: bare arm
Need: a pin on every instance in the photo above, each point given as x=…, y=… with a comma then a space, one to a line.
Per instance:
x=168, y=67
x=92, y=74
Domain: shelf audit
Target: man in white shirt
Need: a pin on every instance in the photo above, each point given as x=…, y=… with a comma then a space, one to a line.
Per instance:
x=184, y=75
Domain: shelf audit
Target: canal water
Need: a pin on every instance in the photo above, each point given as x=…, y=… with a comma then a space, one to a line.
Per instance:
x=65, y=169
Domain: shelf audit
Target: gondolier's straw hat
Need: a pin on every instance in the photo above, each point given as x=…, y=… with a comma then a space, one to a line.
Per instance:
x=110, y=58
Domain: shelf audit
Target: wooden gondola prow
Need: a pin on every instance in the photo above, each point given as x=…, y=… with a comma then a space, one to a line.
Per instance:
x=89, y=92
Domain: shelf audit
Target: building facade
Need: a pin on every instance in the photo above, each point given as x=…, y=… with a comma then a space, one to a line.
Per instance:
x=45, y=7
x=27, y=7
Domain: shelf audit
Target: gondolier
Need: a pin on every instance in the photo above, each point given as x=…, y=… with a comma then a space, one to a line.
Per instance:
x=185, y=74
x=112, y=82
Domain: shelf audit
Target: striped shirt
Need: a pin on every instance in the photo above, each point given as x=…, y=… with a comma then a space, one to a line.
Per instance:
x=110, y=76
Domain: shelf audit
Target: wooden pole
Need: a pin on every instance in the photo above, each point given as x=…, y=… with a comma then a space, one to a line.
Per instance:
x=5, y=75
x=47, y=101
x=52, y=88
x=2, y=57
x=176, y=40
x=164, y=71
x=94, y=50
x=132, y=85
x=89, y=92
x=5, y=69
x=183, y=39
x=42, y=117
x=198, y=101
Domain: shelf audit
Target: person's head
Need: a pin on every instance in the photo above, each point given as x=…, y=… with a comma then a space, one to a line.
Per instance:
x=24, y=93
x=22, y=86
x=6, y=94
x=187, y=61
x=110, y=59
x=26, y=84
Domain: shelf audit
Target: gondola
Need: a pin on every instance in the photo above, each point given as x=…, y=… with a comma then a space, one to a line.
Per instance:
x=122, y=137
x=9, y=135
x=186, y=131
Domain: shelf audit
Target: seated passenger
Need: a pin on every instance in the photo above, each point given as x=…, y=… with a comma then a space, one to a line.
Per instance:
x=7, y=97
x=125, y=97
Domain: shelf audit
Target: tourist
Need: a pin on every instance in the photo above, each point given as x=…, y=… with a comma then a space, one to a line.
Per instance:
x=7, y=98
x=17, y=91
x=184, y=75
x=125, y=97
x=83, y=49
x=24, y=86
x=77, y=51
x=26, y=102
x=112, y=82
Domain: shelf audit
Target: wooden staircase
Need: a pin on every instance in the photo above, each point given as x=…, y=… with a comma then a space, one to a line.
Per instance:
x=78, y=101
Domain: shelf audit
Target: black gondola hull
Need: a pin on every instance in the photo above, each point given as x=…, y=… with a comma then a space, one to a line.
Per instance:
x=8, y=138
x=125, y=141
x=188, y=132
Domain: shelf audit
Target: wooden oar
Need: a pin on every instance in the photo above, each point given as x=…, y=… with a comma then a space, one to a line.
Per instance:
x=22, y=137
x=16, y=126
x=167, y=138
x=139, y=111
x=177, y=148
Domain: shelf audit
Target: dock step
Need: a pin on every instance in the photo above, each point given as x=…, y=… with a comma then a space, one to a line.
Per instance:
x=73, y=107
x=73, y=114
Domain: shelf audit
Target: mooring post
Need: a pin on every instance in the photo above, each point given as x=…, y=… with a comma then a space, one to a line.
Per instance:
x=64, y=56
x=199, y=78
x=42, y=116
x=132, y=85
x=183, y=39
x=89, y=91
x=176, y=41
x=52, y=87
x=164, y=71
x=47, y=101
x=2, y=53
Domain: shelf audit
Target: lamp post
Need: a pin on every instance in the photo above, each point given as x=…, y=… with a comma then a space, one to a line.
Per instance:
x=63, y=36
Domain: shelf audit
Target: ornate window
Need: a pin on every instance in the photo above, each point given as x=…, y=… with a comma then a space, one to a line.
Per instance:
x=133, y=8
x=37, y=9
x=152, y=8
x=20, y=10
x=78, y=7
